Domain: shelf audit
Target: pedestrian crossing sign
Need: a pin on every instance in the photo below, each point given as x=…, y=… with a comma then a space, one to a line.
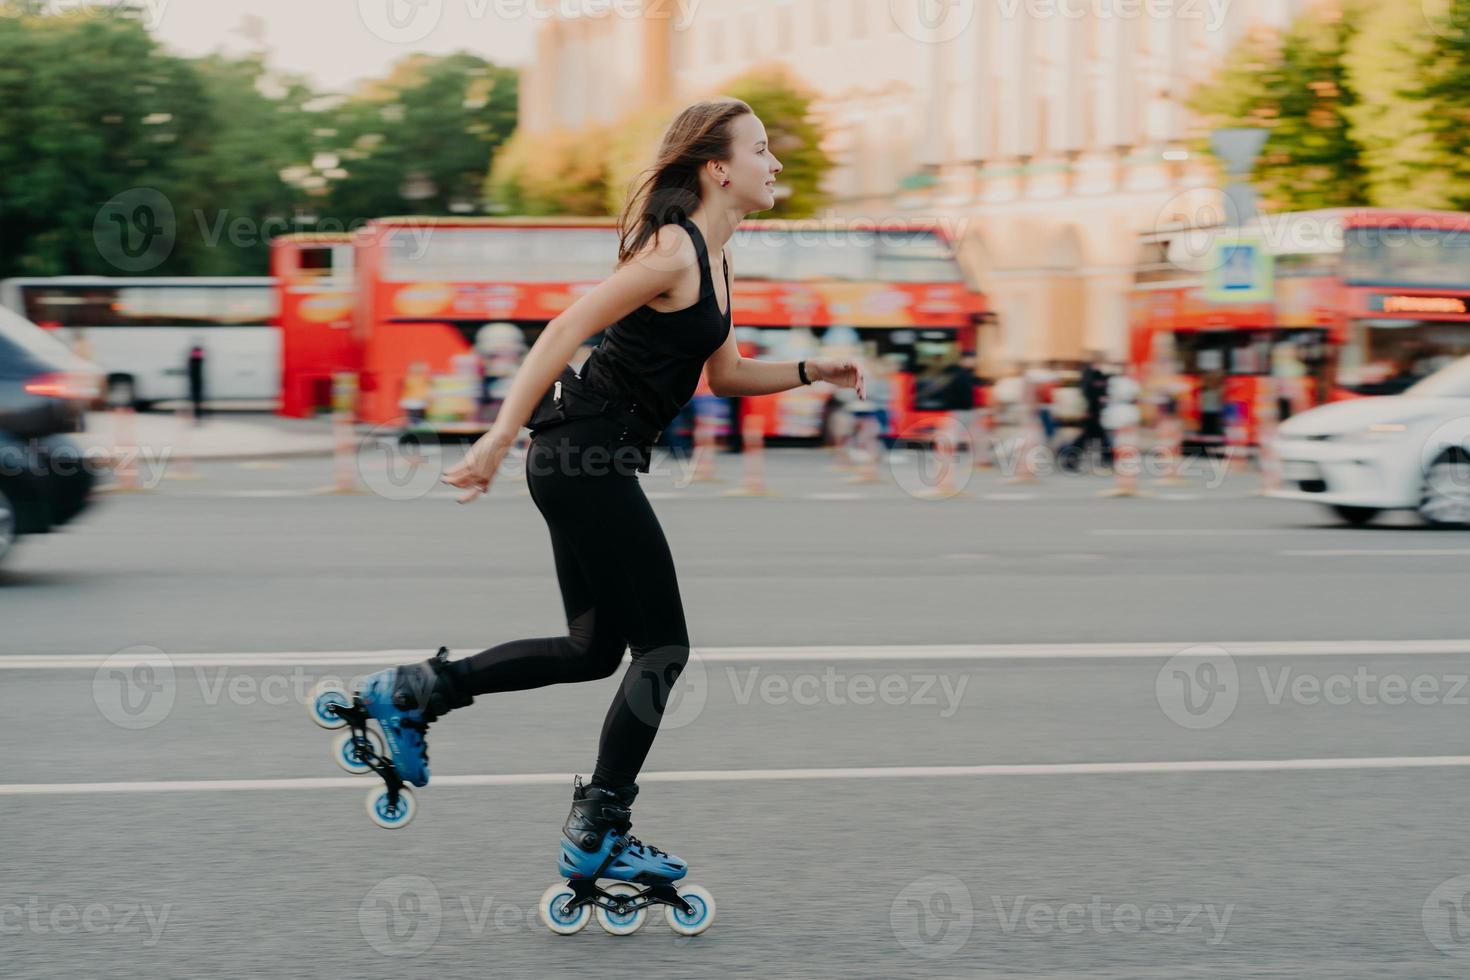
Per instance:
x=1239, y=271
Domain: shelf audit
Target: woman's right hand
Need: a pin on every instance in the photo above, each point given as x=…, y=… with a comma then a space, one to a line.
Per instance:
x=478, y=467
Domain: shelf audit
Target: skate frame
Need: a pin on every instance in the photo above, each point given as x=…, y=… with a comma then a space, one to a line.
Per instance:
x=585, y=891
x=356, y=716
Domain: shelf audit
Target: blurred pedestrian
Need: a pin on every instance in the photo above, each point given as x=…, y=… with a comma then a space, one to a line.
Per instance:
x=1043, y=383
x=1212, y=407
x=196, y=380
x=1094, y=386
x=414, y=402
x=961, y=395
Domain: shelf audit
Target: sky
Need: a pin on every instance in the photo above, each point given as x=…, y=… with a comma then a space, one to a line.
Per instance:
x=337, y=42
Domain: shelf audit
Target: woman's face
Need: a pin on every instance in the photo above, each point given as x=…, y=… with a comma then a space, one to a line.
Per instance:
x=752, y=167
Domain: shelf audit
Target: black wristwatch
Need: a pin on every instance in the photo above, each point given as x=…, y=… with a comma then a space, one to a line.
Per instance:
x=801, y=370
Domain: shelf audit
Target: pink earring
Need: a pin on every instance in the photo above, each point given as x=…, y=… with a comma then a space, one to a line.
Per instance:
x=725, y=182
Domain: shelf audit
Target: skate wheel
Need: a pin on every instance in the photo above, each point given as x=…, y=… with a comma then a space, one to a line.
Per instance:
x=379, y=813
x=704, y=911
x=326, y=694
x=552, y=916
x=345, y=753
x=621, y=923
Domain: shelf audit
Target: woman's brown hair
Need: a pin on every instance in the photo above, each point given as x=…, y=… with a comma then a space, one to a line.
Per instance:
x=669, y=190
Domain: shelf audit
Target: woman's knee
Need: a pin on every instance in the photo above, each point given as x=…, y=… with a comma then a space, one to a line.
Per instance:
x=594, y=651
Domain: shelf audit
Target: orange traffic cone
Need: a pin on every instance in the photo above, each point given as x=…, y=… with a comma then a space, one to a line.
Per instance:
x=1126, y=462
x=1266, y=458
x=946, y=437
x=124, y=451
x=753, y=477
x=184, y=470
x=705, y=450
x=1171, y=444
x=865, y=456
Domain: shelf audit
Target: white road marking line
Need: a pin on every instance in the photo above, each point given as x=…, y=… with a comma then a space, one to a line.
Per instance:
x=836, y=495
x=809, y=654
x=1202, y=532
x=1376, y=553
x=1009, y=496
x=763, y=775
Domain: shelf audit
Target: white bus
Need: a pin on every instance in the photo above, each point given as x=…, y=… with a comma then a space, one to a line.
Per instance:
x=140, y=330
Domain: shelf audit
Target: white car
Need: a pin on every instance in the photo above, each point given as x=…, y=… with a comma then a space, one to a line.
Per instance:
x=1367, y=455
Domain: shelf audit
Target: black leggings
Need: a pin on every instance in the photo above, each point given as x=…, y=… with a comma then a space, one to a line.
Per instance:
x=618, y=589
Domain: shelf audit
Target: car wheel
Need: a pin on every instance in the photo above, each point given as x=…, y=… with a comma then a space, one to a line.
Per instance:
x=1445, y=499
x=8, y=524
x=1356, y=516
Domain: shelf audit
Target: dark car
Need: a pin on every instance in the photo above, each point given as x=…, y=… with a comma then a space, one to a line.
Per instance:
x=45, y=390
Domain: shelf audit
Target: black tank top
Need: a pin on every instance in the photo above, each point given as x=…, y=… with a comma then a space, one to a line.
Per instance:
x=654, y=357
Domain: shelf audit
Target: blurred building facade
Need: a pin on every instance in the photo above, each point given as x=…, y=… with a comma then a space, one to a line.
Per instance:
x=1049, y=133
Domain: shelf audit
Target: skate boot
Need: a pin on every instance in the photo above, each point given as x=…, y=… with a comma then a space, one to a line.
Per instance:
x=596, y=843
x=405, y=700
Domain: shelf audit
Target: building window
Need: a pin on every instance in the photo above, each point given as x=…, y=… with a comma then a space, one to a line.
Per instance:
x=785, y=27
x=859, y=19
x=716, y=40
x=821, y=23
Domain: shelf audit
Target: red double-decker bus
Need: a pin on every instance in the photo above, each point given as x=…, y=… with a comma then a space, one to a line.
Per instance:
x=431, y=291
x=1332, y=304
x=316, y=302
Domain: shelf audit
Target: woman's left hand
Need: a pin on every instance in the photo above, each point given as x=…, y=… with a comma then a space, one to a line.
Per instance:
x=844, y=372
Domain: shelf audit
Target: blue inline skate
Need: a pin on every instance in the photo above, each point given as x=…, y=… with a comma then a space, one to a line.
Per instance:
x=596, y=843
x=403, y=701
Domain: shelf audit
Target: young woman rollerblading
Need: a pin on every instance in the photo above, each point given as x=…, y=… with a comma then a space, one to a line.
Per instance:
x=666, y=311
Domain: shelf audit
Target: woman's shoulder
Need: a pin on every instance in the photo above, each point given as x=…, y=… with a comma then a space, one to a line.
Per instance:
x=671, y=244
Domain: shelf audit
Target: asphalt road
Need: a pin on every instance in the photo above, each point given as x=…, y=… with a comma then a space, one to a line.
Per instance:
x=1159, y=798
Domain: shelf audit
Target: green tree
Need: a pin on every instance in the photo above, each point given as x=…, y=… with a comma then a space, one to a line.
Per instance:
x=784, y=107
x=259, y=130
x=1438, y=158
x=555, y=172
x=89, y=109
x=419, y=140
x=1295, y=86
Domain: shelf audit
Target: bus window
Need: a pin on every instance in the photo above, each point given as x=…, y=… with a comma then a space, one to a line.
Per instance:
x=1407, y=256
x=914, y=256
